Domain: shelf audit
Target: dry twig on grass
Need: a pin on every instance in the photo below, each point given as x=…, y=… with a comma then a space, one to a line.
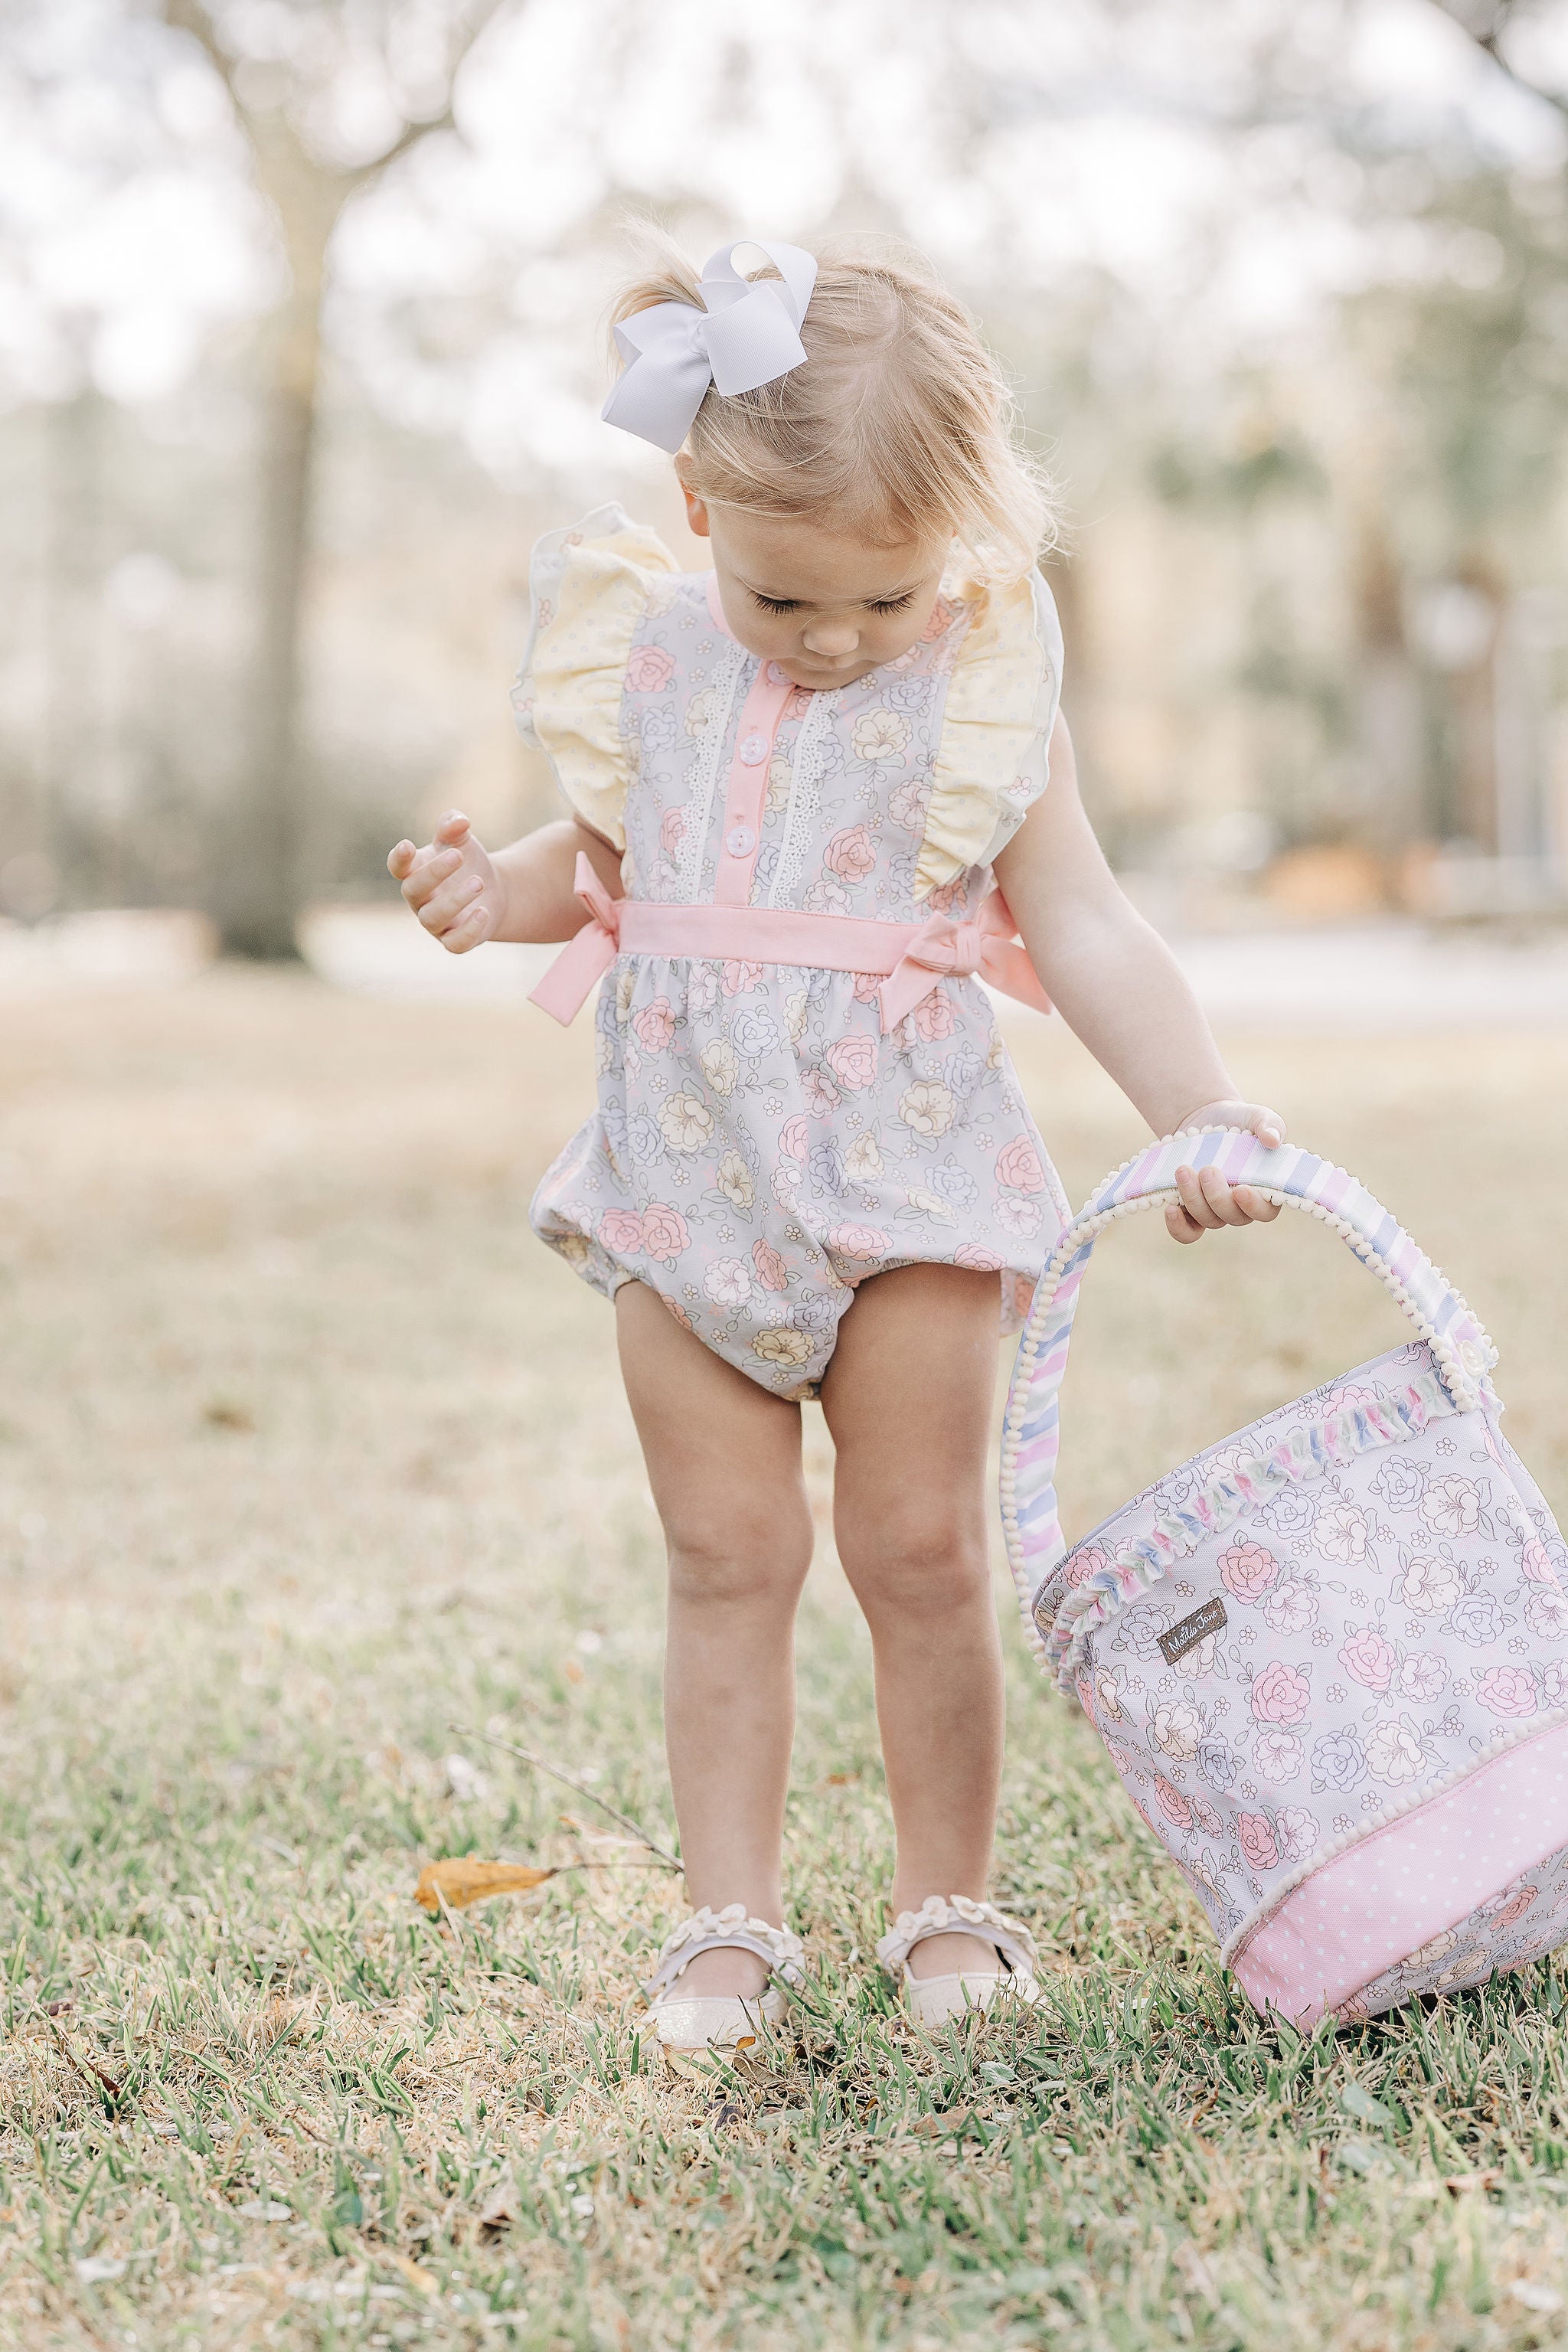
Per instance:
x=540, y=1765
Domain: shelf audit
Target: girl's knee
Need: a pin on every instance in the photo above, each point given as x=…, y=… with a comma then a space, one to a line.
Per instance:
x=937, y=1565
x=727, y=1563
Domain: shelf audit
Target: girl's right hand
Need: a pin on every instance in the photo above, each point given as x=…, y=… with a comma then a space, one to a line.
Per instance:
x=452, y=884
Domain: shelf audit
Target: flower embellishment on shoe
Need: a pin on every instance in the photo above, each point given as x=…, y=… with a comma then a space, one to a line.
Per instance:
x=721, y=2020
x=933, y=2000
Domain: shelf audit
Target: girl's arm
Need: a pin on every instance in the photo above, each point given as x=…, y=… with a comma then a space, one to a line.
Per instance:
x=1119, y=987
x=463, y=896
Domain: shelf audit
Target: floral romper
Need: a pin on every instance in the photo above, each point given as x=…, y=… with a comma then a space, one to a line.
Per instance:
x=760, y=1145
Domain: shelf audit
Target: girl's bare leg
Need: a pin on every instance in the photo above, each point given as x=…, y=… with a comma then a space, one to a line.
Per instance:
x=908, y=1396
x=724, y=1461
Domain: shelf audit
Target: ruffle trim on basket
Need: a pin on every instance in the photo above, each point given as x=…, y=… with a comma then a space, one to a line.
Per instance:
x=1309, y=1450
x=1236, y=1943
x=941, y=1915
x=731, y=1929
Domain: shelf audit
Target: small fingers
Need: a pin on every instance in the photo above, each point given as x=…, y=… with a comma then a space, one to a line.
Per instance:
x=1218, y=1193
x=453, y=829
x=400, y=860
x=452, y=901
x=430, y=869
x=1206, y=1203
x=468, y=932
x=1195, y=1202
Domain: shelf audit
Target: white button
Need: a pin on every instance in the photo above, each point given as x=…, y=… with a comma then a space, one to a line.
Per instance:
x=753, y=750
x=739, y=841
x=776, y=675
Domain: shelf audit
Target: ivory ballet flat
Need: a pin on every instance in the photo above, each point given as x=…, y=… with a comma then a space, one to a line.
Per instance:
x=933, y=2000
x=721, y=2020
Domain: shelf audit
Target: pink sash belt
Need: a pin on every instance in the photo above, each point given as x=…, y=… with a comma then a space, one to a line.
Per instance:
x=912, y=956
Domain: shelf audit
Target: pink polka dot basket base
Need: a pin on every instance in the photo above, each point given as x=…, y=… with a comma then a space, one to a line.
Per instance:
x=1329, y=1655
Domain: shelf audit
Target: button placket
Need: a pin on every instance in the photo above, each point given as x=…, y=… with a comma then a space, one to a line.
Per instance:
x=748, y=784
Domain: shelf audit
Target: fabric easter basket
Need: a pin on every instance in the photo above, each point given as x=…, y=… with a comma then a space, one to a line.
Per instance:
x=1329, y=1655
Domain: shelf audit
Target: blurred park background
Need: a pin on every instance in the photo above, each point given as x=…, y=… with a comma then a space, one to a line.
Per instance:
x=300, y=345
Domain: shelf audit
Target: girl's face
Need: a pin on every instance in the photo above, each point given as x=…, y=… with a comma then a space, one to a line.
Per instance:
x=827, y=609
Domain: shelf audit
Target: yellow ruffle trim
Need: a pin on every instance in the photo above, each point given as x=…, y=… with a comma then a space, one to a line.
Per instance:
x=579, y=670
x=1001, y=692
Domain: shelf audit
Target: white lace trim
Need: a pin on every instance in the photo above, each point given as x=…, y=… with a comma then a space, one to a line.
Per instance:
x=943, y=1915
x=731, y=1929
x=804, y=797
x=705, y=770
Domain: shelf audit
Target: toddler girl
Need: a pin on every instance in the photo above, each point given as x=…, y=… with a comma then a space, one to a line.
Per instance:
x=800, y=786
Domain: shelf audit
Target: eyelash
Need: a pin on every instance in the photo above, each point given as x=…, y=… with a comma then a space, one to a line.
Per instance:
x=883, y=610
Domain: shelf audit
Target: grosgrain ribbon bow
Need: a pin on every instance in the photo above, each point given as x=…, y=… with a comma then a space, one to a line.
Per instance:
x=746, y=334
x=988, y=947
x=588, y=953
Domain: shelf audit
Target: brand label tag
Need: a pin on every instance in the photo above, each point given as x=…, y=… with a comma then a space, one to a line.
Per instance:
x=1193, y=1629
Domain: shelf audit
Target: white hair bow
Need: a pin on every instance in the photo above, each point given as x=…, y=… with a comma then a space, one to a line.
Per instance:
x=747, y=333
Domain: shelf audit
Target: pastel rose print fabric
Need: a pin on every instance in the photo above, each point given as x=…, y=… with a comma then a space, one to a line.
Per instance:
x=758, y=1146
x=1502, y=1935
x=1388, y=1624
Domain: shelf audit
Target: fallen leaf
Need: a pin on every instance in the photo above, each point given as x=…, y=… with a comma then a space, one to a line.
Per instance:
x=1462, y=2183
x=1536, y=2296
x=425, y=2282
x=265, y=2209
x=1358, y=2101
x=463, y=1881
x=572, y=1671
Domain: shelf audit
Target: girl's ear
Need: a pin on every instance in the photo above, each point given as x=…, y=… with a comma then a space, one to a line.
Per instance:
x=695, y=511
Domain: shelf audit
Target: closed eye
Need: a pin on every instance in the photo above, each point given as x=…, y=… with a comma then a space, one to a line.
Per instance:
x=882, y=605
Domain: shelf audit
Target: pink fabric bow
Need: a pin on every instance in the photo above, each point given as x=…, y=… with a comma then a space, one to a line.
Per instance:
x=588, y=954
x=988, y=947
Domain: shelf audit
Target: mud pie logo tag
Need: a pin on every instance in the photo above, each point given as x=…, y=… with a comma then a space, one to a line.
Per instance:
x=1193, y=1630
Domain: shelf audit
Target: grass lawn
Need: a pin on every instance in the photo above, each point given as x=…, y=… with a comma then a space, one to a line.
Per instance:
x=310, y=1453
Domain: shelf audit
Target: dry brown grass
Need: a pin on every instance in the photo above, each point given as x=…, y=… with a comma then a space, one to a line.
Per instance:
x=307, y=1451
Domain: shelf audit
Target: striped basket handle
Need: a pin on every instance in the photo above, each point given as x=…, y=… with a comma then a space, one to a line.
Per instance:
x=1295, y=1179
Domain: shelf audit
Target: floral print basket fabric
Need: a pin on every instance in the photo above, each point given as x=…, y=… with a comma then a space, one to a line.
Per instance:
x=760, y=1146
x=1329, y=1655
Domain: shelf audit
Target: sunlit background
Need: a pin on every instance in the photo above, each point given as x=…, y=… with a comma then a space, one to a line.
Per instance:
x=301, y=342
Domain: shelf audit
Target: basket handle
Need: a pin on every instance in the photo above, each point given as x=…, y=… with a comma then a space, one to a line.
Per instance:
x=1293, y=1177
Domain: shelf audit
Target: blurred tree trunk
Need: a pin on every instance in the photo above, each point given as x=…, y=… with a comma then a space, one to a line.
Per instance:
x=260, y=886
x=1391, y=811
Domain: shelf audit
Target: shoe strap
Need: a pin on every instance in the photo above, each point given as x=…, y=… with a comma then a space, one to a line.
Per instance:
x=941, y=1915
x=731, y=1929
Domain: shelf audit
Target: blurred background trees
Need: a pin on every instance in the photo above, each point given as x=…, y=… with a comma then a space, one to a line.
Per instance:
x=304, y=301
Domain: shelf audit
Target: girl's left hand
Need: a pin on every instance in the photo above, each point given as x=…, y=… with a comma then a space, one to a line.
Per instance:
x=1207, y=1200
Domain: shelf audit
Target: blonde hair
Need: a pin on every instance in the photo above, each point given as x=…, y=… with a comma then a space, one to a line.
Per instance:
x=900, y=423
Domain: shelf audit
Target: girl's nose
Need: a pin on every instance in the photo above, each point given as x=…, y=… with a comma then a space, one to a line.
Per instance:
x=833, y=640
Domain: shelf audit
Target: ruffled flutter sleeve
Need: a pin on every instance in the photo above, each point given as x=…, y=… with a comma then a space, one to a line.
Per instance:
x=589, y=590
x=993, y=757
